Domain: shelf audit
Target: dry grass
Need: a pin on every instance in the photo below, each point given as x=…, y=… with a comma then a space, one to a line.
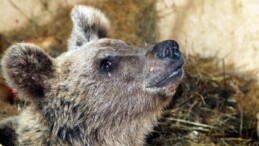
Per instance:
x=132, y=20
x=210, y=107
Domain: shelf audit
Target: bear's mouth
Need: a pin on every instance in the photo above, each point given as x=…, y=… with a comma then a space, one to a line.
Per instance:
x=168, y=79
x=174, y=76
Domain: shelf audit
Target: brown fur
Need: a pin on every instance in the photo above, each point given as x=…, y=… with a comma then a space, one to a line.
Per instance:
x=74, y=102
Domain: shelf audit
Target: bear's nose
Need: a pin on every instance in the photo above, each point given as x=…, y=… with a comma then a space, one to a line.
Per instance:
x=168, y=49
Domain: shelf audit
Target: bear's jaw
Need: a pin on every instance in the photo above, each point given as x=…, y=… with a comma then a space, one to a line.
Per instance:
x=168, y=79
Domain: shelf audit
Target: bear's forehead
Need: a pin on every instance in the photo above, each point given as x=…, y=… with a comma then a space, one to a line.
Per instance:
x=118, y=47
x=111, y=42
x=100, y=49
x=109, y=47
x=107, y=43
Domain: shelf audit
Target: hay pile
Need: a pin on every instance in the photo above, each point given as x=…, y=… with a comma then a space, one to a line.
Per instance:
x=214, y=105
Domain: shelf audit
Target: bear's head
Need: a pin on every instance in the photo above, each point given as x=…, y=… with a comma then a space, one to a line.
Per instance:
x=101, y=90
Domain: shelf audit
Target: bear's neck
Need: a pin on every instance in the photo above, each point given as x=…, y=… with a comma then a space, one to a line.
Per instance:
x=67, y=121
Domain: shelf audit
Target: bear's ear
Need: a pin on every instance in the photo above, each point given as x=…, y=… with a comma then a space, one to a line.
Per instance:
x=27, y=69
x=88, y=24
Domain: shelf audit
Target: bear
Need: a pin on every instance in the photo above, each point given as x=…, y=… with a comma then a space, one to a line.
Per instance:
x=101, y=92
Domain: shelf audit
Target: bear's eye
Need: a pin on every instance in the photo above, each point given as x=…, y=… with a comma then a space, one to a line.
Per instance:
x=107, y=65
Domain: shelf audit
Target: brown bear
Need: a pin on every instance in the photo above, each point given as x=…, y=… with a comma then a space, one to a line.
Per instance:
x=101, y=92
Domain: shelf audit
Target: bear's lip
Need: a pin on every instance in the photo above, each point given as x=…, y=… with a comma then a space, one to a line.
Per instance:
x=168, y=79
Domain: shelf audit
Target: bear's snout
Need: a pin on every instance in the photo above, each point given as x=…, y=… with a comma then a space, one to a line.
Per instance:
x=168, y=51
x=166, y=68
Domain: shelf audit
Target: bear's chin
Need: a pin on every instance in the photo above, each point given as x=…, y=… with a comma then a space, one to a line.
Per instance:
x=168, y=84
x=166, y=91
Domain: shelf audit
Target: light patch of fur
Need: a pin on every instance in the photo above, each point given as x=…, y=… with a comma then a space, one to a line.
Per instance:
x=85, y=17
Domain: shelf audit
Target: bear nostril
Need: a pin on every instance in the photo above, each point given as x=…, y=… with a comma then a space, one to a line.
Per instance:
x=176, y=55
x=168, y=50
